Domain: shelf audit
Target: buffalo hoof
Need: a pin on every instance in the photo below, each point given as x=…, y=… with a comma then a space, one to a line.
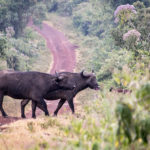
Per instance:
x=54, y=115
x=23, y=117
x=34, y=117
x=46, y=114
x=6, y=116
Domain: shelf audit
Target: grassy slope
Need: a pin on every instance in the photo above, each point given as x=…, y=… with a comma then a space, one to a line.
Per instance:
x=95, y=122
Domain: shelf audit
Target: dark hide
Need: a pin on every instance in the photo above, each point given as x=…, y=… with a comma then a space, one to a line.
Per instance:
x=82, y=82
x=30, y=85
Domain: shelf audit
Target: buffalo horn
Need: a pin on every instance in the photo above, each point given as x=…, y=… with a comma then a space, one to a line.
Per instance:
x=56, y=73
x=85, y=74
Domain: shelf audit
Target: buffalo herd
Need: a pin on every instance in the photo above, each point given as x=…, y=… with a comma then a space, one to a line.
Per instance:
x=37, y=87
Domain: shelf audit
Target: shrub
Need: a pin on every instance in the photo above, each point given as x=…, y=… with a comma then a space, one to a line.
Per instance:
x=124, y=116
x=132, y=33
x=30, y=126
x=3, y=46
x=143, y=95
x=124, y=12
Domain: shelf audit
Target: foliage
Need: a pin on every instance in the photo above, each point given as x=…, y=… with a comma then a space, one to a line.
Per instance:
x=16, y=14
x=124, y=13
x=65, y=7
x=3, y=46
x=124, y=117
x=133, y=114
x=123, y=77
x=132, y=33
x=117, y=3
x=20, y=54
x=143, y=95
x=51, y=5
x=38, y=13
x=30, y=126
x=49, y=123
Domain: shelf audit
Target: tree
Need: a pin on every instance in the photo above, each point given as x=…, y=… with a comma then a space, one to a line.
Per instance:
x=20, y=14
x=15, y=13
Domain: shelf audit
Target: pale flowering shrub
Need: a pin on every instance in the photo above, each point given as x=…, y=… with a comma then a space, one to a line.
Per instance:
x=124, y=12
x=132, y=34
x=131, y=39
x=10, y=31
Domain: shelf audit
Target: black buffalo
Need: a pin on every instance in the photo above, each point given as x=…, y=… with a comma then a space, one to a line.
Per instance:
x=82, y=82
x=31, y=85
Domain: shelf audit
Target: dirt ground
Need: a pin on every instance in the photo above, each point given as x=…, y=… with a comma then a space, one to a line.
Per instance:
x=64, y=59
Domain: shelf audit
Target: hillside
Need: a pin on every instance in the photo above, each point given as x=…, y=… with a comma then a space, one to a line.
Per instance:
x=113, y=39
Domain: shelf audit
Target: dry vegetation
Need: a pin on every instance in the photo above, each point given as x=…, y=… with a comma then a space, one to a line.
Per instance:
x=42, y=133
x=67, y=131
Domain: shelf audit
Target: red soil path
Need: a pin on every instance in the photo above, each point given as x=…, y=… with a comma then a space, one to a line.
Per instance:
x=63, y=60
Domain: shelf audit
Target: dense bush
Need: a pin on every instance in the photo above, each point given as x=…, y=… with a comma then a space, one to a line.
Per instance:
x=117, y=3
x=20, y=54
x=131, y=32
x=51, y=5
x=38, y=13
x=3, y=46
x=16, y=14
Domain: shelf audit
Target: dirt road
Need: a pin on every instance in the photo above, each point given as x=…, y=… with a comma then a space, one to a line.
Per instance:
x=63, y=60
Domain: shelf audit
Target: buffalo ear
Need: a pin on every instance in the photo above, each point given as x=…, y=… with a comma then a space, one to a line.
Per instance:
x=59, y=78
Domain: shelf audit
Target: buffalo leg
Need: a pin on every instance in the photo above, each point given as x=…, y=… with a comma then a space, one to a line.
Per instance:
x=1, y=106
x=44, y=105
x=61, y=102
x=71, y=105
x=45, y=108
x=40, y=106
x=34, y=104
x=23, y=104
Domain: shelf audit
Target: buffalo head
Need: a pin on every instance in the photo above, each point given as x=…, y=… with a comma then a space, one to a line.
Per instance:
x=90, y=80
x=64, y=81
